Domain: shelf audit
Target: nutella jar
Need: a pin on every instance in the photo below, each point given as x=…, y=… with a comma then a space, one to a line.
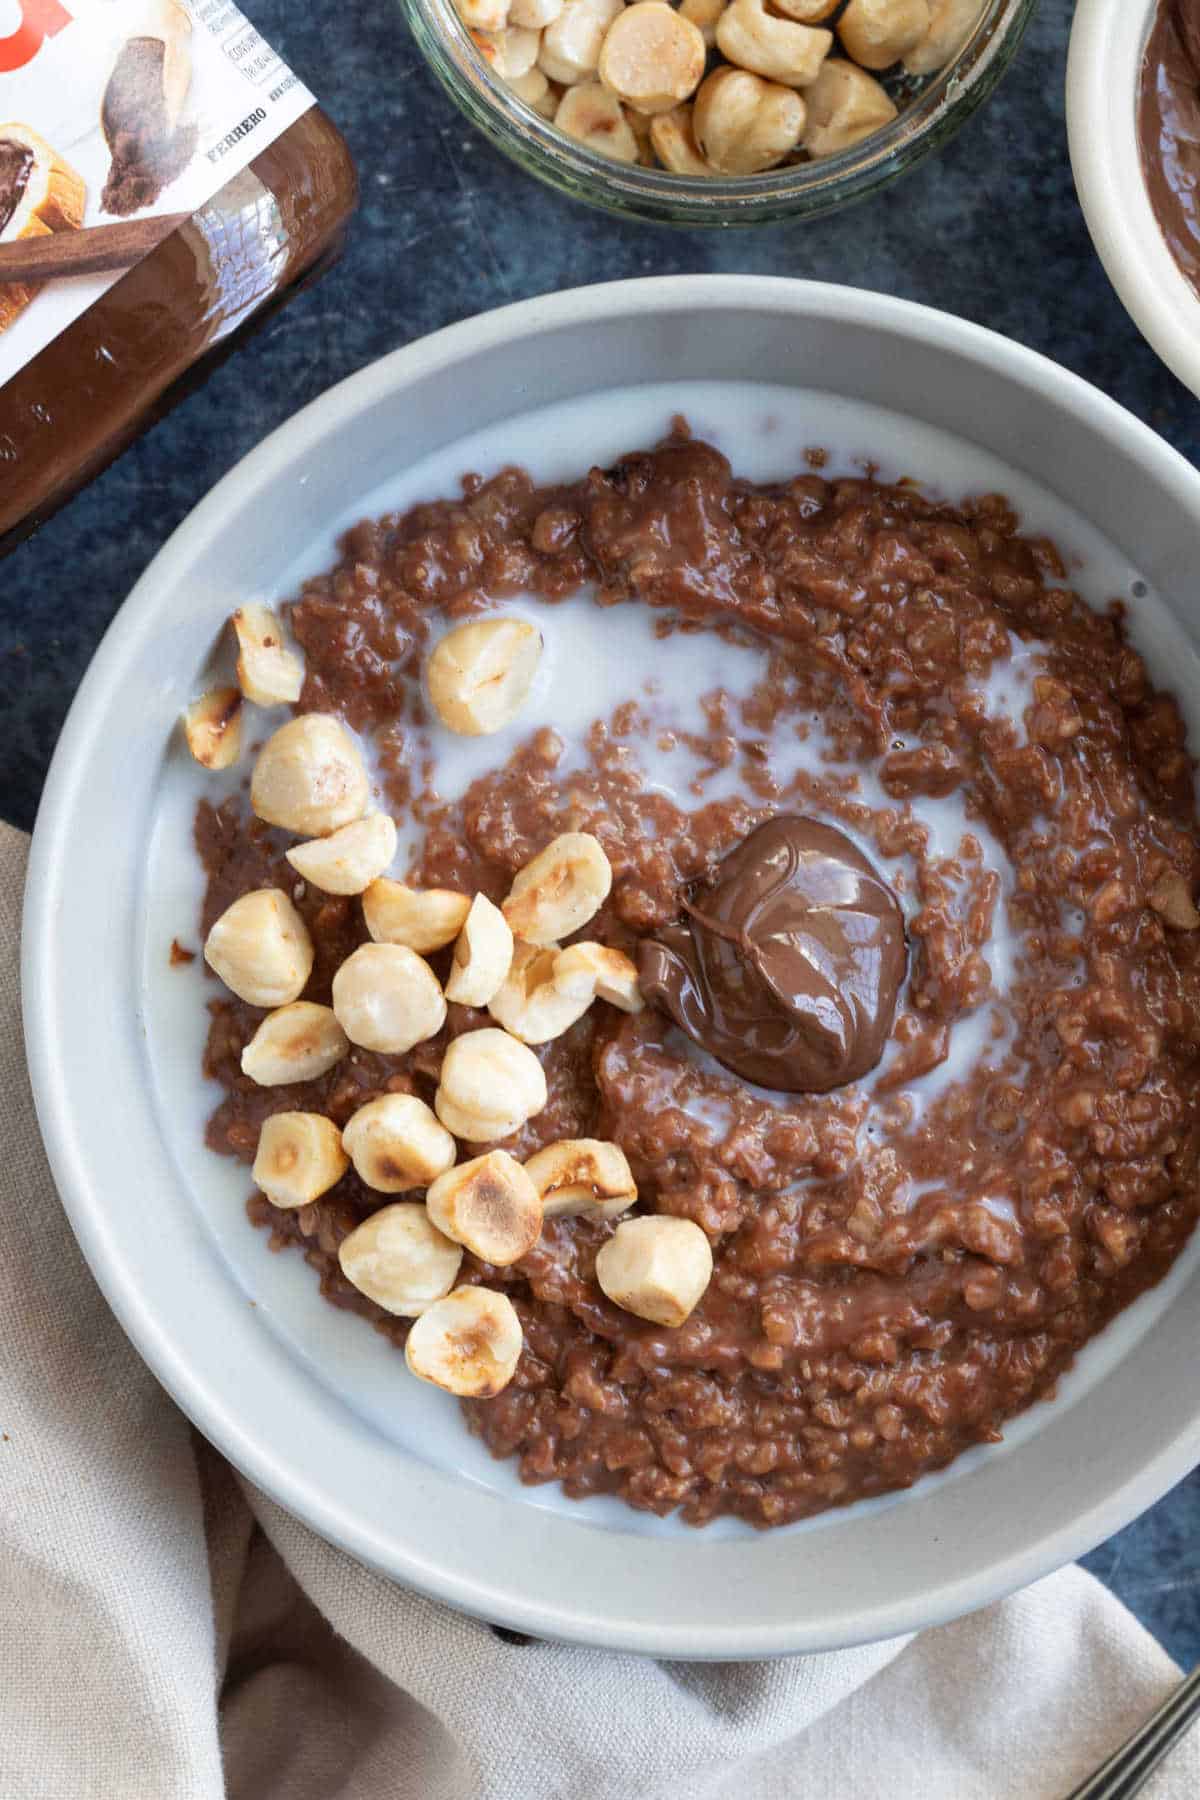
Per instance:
x=164, y=181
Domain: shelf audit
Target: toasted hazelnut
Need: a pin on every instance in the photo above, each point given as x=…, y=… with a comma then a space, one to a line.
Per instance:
x=779, y=50
x=582, y=1175
x=396, y=1143
x=592, y=116
x=1171, y=898
x=845, y=105
x=673, y=137
x=490, y=1205
x=703, y=14
x=299, y=1158
x=212, y=726
x=483, y=15
x=563, y=887
x=534, y=15
x=744, y=124
x=399, y=1259
x=479, y=674
x=806, y=12
x=530, y=1004
x=261, y=949
x=469, y=1343
x=300, y=1042
x=656, y=1267
x=489, y=1086
x=482, y=955
x=512, y=53
x=309, y=777
x=571, y=44
x=349, y=859
x=951, y=23
x=877, y=33
x=387, y=998
x=537, y=92
x=607, y=974
x=268, y=673
x=423, y=919
x=652, y=56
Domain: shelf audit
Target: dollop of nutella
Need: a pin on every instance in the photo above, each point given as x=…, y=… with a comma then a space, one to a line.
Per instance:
x=789, y=964
x=1169, y=129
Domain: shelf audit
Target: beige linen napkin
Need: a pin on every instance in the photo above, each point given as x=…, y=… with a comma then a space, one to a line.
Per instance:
x=167, y=1632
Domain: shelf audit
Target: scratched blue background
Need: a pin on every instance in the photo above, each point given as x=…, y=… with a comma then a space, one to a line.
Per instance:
x=990, y=230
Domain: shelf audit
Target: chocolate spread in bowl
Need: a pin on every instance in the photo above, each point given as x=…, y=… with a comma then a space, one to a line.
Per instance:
x=906, y=1261
x=16, y=166
x=1169, y=129
x=789, y=964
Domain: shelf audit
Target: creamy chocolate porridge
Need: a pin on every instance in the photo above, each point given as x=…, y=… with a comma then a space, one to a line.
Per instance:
x=969, y=1133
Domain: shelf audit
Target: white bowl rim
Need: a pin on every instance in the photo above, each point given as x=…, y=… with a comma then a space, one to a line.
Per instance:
x=1103, y=63
x=200, y=1395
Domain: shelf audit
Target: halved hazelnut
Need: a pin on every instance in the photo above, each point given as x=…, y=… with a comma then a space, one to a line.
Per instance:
x=310, y=777
x=845, y=105
x=490, y=1205
x=469, y=1343
x=479, y=675
x=582, y=1175
x=212, y=726
x=482, y=955
x=349, y=859
x=877, y=33
x=400, y=1260
x=559, y=889
x=268, y=673
x=299, y=1158
x=529, y=1002
x=261, y=949
x=300, y=1042
x=608, y=974
x=424, y=919
x=656, y=1267
x=652, y=56
x=951, y=23
x=387, y=998
x=489, y=1086
x=396, y=1143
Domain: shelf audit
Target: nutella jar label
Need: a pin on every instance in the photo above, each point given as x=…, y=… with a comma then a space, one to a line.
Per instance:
x=118, y=119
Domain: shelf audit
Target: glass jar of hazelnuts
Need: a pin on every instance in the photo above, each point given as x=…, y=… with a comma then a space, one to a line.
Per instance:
x=718, y=112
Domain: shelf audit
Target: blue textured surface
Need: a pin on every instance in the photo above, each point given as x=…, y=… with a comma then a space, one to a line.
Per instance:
x=989, y=230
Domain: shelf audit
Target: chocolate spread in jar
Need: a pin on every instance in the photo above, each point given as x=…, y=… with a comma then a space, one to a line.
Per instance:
x=16, y=166
x=82, y=399
x=1169, y=129
x=790, y=962
x=148, y=148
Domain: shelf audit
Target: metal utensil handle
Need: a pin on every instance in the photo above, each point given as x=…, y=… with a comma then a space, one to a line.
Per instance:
x=1128, y=1769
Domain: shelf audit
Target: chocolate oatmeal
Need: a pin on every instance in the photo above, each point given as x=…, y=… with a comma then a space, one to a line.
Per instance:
x=901, y=1263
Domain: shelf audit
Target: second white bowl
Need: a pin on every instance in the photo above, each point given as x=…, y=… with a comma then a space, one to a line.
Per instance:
x=1108, y=41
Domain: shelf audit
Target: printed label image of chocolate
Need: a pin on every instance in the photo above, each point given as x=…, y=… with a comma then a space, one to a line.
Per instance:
x=16, y=166
x=141, y=116
x=789, y=964
x=41, y=195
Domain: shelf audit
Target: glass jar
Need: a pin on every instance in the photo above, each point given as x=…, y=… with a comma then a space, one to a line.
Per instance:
x=277, y=224
x=931, y=112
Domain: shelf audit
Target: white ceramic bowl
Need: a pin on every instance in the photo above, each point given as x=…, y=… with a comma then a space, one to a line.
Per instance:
x=304, y=1399
x=1108, y=39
